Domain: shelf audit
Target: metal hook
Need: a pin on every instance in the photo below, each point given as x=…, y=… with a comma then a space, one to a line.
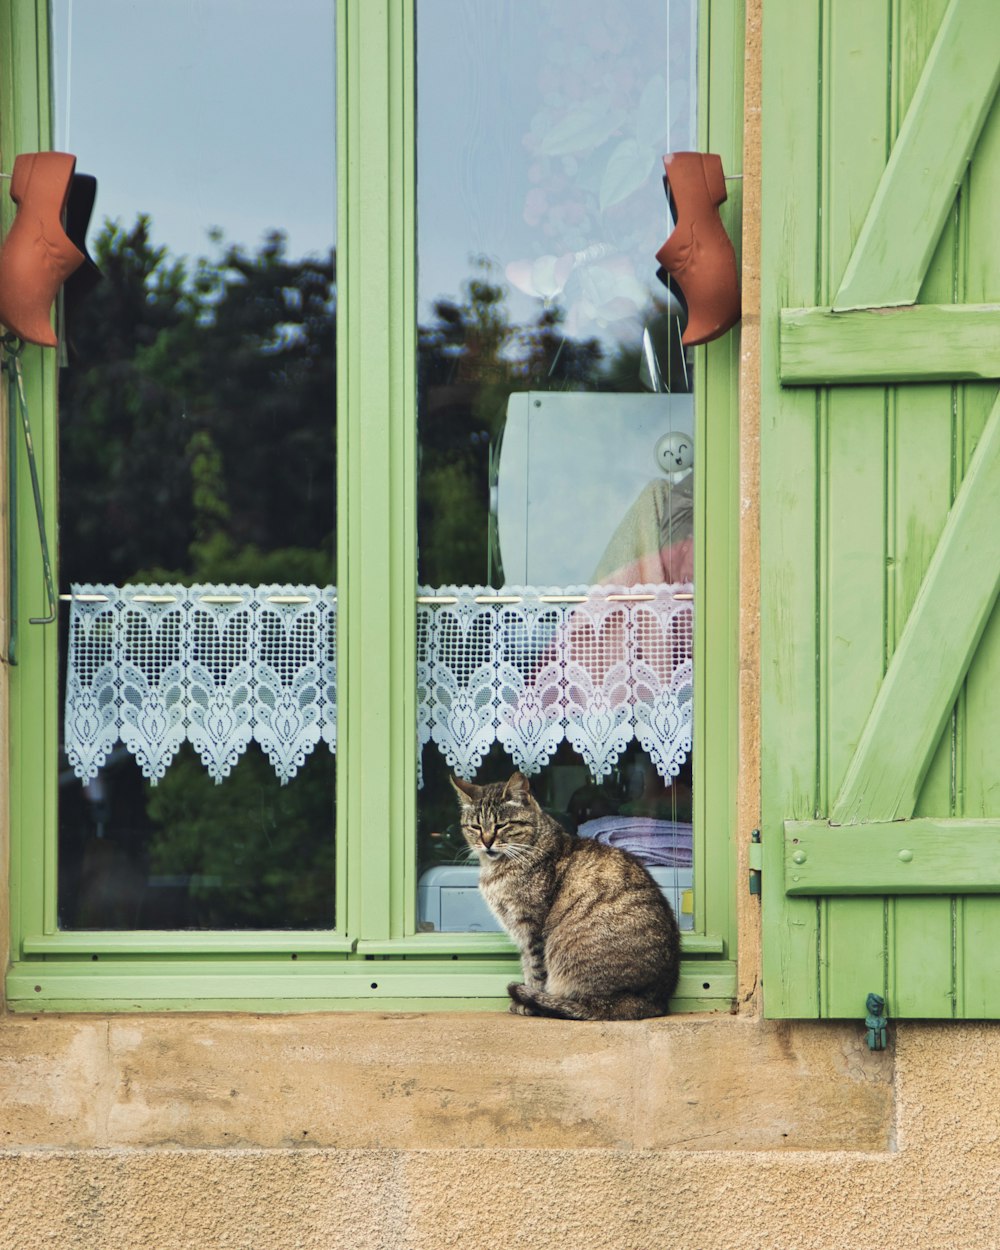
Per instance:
x=13, y=348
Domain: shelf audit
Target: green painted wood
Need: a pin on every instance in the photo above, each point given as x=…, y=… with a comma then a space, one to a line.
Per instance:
x=920, y=979
x=403, y=470
x=921, y=343
x=185, y=942
x=928, y=161
x=850, y=484
x=26, y=126
x=376, y=757
x=977, y=956
x=221, y=981
x=977, y=951
x=853, y=951
x=305, y=986
x=944, y=627
x=861, y=485
x=925, y=430
x=790, y=748
x=716, y=390
x=444, y=945
x=285, y=1005
x=921, y=856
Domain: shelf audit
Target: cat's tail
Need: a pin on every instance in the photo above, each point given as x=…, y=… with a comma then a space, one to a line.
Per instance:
x=621, y=1007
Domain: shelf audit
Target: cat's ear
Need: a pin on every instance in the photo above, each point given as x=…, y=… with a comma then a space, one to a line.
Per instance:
x=518, y=787
x=466, y=791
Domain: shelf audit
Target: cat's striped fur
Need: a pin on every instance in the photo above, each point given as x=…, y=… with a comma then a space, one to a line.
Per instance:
x=598, y=940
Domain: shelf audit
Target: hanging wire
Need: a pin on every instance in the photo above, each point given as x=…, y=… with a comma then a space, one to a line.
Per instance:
x=67, y=112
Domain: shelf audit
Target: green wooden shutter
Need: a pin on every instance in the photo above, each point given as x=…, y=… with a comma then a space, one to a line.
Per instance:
x=880, y=488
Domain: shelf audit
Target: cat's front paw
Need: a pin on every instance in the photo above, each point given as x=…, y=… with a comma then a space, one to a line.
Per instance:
x=518, y=1006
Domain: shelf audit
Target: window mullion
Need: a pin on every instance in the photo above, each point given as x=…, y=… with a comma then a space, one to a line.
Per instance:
x=376, y=559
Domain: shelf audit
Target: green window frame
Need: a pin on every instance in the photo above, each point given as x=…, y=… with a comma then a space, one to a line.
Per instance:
x=375, y=958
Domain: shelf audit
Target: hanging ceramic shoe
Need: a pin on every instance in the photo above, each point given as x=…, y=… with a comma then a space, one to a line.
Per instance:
x=37, y=255
x=698, y=256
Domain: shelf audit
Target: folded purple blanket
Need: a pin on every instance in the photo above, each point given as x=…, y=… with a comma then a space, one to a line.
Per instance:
x=665, y=843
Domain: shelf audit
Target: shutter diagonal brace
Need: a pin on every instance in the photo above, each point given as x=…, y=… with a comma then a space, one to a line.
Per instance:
x=927, y=163
x=955, y=599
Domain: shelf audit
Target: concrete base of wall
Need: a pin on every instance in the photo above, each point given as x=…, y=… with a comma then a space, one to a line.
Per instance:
x=437, y=1081
x=427, y=1132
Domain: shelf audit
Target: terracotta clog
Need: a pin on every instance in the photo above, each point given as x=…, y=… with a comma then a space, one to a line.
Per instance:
x=698, y=255
x=37, y=255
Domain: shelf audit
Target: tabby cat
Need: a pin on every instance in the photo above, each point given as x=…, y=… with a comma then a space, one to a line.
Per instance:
x=598, y=940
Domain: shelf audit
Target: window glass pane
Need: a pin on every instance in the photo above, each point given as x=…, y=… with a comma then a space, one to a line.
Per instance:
x=555, y=434
x=197, y=418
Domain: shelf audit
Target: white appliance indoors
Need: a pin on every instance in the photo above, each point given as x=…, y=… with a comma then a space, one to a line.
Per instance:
x=570, y=465
x=449, y=901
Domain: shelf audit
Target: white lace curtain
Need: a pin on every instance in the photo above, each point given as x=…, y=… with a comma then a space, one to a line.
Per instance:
x=223, y=666
x=220, y=667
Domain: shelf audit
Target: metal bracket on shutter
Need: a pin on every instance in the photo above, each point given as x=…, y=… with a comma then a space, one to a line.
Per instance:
x=876, y=1022
x=755, y=859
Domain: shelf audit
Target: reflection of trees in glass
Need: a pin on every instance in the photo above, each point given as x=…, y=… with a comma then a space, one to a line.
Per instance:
x=259, y=855
x=197, y=423
x=197, y=417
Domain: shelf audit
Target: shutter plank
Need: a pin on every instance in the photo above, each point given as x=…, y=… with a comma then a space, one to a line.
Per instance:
x=976, y=760
x=978, y=959
x=789, y=747
x=852, y=479
x=927, y=162
x=925, y=477
x=851, y=486
x=853, y=954
x=921, y=971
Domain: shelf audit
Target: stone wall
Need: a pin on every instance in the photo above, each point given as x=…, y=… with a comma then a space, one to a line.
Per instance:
x=423, y=1132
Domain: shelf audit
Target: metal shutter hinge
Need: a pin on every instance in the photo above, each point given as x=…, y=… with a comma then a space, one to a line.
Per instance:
x=756, y=861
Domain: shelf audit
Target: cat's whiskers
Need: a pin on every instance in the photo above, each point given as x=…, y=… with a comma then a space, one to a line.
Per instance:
x=519, y=852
